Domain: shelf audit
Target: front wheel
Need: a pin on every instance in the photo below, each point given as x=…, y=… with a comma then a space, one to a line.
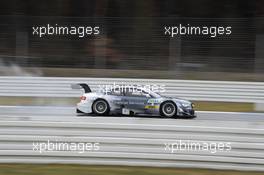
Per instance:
x=168, y=109
x=100, y=107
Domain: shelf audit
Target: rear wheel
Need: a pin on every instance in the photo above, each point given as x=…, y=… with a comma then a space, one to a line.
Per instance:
x=100, y=107
x=168, y=109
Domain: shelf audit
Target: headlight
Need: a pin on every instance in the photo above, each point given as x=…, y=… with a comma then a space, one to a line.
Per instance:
x=186, y=105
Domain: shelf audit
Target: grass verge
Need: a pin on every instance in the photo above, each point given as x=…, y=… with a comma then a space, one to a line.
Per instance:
x=29, y=169
x=51, y=101
x=127, y=73
x=224, y=106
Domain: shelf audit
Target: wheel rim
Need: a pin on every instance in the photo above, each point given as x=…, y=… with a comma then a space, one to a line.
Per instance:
x=168, y=109
x=100, y=107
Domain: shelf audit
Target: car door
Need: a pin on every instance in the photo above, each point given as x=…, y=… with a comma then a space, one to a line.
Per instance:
x=115, y=96
x=136, y=99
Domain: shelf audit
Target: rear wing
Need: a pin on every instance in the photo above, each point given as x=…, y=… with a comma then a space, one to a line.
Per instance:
x=84, y=86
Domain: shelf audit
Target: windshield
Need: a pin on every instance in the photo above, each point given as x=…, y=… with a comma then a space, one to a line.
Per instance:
x=119, y=91
x=154, y=94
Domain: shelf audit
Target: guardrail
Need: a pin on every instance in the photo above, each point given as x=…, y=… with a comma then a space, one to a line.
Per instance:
x=135, y=144
x=227, y=91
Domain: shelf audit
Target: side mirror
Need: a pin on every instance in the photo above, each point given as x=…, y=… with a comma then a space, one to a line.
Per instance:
x=147, y=95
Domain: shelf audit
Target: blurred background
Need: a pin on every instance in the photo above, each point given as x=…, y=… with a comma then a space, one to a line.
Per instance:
x=132, y=41
x=131, y=44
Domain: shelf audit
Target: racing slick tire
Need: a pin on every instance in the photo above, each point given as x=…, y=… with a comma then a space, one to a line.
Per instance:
x=100, y=107
x=168, y=109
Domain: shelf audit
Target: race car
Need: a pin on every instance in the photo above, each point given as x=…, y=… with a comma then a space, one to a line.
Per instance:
x=131, y=101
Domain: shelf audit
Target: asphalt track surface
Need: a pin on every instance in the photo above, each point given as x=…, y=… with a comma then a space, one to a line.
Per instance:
x=132, y=141
x=67, y=114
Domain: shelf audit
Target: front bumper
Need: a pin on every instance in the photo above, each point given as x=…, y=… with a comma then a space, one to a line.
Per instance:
x=186, y=112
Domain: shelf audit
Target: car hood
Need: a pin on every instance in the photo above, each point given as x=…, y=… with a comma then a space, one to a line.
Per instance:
x=177, y=100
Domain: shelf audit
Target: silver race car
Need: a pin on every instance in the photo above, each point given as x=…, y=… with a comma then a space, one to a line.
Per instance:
x=127, y=101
